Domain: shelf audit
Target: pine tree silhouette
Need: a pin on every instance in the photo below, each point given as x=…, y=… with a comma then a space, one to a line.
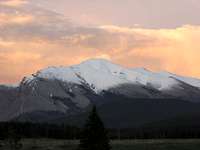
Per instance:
x=94, y=135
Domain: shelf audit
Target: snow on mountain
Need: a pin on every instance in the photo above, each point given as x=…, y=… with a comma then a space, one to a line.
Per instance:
x=48, y=89
x=191, y=81
x=101, y=74
x=158, y=81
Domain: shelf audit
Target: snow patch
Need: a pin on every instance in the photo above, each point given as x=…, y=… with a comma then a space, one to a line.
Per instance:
x=191, y=81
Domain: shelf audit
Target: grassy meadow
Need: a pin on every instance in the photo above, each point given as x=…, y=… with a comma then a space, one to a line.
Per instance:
x=166, y=144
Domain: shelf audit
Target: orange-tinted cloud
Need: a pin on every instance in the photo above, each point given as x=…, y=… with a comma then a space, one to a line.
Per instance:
x=13, y=3
x=28, y=44
x=176, y=50
x=4, y=43
x=6, y=19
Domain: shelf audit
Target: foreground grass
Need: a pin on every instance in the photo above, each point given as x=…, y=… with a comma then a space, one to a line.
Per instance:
x=172, y=144
x=168, y=144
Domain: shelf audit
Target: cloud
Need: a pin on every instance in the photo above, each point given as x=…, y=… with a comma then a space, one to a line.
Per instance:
x=175, y=50
x=13, y=3
x=4, y=43
x=6, y=19
x=33, y=38
x=146, y=13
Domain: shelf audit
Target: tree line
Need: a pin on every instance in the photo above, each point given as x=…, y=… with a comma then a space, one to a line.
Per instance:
x=38, y=130
x=94, y=135
x=63, y=131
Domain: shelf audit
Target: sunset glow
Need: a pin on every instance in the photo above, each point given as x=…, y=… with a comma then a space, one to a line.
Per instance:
x=33, y=37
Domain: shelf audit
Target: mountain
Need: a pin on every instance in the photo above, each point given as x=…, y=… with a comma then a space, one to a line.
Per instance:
x=58, y=94
x=101, y=75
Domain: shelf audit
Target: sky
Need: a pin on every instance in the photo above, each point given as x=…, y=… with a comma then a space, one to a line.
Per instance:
x=158, y=35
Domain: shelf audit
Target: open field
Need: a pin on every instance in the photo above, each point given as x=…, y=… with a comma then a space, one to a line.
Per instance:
x=168, y=144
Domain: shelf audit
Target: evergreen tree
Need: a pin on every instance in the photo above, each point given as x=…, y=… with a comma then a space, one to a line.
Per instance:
x=94, y=135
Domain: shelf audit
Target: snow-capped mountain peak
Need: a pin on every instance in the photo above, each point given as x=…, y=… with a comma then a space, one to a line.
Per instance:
x=101, y=74
x=70, y=90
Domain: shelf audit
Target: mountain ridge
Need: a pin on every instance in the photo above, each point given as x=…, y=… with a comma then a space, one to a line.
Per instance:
x=70, y=73
x=110, y=75
x=62, y=92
